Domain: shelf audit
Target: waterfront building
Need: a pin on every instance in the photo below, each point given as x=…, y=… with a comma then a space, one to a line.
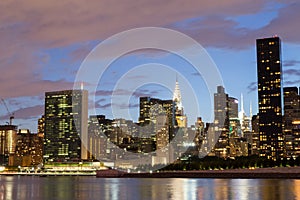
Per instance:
x=41, y=126
x=269, y=77
x=66, y=126
x=8, y=138
x=99, y=129
x=29, y=150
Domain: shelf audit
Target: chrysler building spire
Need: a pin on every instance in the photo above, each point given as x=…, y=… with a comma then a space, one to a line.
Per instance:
x=181, y=118
x=177, y=95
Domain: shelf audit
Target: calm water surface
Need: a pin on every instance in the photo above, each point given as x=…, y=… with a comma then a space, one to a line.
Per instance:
x=83, y=188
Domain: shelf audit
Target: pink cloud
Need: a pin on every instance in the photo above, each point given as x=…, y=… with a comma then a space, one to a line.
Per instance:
x=286, y=25
x=47, y=23
x=29, y=26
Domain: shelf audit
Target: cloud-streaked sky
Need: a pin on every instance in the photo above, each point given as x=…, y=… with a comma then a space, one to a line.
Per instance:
x=43, y=43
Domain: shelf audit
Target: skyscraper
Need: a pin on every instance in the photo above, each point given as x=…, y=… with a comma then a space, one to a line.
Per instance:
x=269, y=97
x=221, y=122
x=234, y=125
x=291, y=121
x=177, y=97
x=150, y=108
x=233, y=105
x=99, y=130
x=8, y=138
x=181, y=118
x=291, y=106
x=29, y=149
x=65, y=125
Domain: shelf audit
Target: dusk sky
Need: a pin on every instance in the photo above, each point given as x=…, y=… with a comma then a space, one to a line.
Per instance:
x=43, y=45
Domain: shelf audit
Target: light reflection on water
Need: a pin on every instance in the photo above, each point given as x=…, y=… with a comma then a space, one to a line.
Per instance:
x=82, y=188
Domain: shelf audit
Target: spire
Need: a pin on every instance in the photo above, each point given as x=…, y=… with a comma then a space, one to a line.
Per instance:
x=242, y=103
x=250, y=109
x=177, y=95
x=242, y=111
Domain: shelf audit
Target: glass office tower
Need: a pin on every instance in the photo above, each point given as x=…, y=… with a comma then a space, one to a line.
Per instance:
x=63, y=134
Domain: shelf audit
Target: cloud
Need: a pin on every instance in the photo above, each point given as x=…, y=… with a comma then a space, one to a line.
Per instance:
x=252, y=87
x=292, y=72
x=79, y=53
x=291, y=83
x=128, y=106
x=112, y=92
x=68, y=21
x=144, y=92
x=196, y=74
x=26, y=113
x=286, y=25
x=102, y=106
x=215, y=30
x=120, y=106
x=138, y=93
x=290, y=63
x=19, y=88
x=103, y=93
x=32, y=27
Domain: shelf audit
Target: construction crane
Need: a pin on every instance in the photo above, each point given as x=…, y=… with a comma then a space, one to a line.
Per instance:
x=11, y=115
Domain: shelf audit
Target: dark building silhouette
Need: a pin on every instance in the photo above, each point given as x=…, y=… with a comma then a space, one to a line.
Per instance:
x=291, y=121
x=255, y=135
x=150, y=108
x=269, y=97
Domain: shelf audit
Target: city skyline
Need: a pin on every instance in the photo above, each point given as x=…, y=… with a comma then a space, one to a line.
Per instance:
x=42, y=49
x=150, y=99
x=172, y=95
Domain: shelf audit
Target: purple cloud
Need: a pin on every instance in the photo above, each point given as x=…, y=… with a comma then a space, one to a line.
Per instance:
x=291, y=63
x=292, y=72
x=291, y=83
x=26, y=113
x=252, y=87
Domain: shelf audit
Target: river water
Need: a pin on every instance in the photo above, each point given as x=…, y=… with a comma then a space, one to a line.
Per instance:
x=85, y=188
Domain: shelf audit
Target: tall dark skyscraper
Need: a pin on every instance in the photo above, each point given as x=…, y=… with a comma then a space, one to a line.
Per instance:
x=269, y=97
x=63, y=135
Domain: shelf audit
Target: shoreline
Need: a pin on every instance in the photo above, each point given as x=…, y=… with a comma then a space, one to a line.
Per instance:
x=268, y=173
x=46, y=174
x=257, y=173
